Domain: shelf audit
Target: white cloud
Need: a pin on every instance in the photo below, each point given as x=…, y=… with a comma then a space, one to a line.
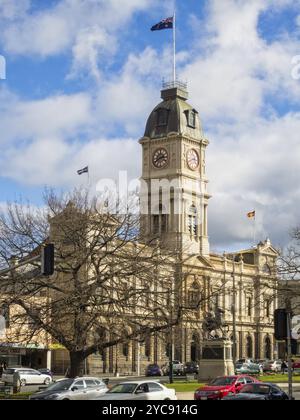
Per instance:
x=61, y=115
x=254, y=152
x=126, y=99
x=91, y=45
x=54, y=161
x=55, y=29
x=255, y=167
x=13, y=9
x=237, y=82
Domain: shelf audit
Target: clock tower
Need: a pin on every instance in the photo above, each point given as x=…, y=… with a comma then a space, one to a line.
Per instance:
x=174, y=197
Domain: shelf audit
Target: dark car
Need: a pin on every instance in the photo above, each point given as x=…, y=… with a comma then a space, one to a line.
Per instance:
x=259, y=391
x=154, y=370
x=46, y=372
x=191, y=367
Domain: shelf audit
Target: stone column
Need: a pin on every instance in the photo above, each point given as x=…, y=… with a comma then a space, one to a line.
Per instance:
x=49, y=359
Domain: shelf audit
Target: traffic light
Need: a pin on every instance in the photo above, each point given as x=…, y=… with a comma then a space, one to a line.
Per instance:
x=280, y=320
x=47, y=263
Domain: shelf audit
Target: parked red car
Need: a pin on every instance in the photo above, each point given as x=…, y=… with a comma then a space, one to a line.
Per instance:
x=296, y=365
x=218, y=388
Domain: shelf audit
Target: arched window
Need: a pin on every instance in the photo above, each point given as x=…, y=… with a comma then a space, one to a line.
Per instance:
x=249, y=306
x=168, y=350
x=160, y=220
x=268, y=304
x=195, y=348
x=125, y=350
x=268, y=348
x=192, y=220
x=249, y=347
x=215, y=302
x=148, y=347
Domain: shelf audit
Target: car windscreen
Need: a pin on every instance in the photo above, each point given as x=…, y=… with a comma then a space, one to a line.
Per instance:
x=123, y=389
x=61, y=385
x=223, y=381
x=256, y=389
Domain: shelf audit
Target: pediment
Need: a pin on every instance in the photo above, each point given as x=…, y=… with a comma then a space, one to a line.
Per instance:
x=198, y=261
x=269, y=250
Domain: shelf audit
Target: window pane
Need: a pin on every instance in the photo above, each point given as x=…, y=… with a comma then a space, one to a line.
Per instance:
x=154, y=387
x=79, y=384
x=90, y=383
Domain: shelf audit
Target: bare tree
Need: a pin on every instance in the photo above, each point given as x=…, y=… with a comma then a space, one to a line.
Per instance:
x=108, y=288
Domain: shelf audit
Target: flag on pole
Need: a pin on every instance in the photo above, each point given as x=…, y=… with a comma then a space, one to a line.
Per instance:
x=83, y=171
x=164, y=24
x=251, y=214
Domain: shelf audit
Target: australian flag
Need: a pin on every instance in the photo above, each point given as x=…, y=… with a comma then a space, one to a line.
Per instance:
x=164, y=24
x=83, y=171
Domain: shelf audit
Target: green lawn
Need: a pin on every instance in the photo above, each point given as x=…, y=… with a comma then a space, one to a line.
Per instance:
x=280, y=379
x=21, y=396
x=184, y=386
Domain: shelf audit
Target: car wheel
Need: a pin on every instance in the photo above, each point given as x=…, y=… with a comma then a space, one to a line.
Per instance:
x=167, y=399
x=47, y=381
x=23, y=382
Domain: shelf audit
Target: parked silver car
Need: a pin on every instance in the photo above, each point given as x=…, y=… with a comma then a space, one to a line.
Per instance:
x=73, y=389
x=27, y=377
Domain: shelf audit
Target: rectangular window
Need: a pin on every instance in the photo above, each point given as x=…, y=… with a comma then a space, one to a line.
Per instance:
x=192, y=119
x=6, y=314
x=162, y=117
x=249, y=307
x=164, y=223
x=156, y=224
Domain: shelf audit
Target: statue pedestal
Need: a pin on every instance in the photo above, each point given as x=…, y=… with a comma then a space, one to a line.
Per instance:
x=216, y=359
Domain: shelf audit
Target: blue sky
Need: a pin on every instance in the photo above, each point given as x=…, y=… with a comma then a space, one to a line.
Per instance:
x=83, y=75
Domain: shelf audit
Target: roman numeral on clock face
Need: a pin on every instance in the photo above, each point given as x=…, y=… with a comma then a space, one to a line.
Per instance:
x=160, y=158
x=192, y=159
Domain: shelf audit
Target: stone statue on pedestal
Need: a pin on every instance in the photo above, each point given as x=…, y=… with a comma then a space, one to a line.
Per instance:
x=213, y=325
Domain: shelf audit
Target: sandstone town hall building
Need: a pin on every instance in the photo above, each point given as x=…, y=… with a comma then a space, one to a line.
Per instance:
x=174, y=148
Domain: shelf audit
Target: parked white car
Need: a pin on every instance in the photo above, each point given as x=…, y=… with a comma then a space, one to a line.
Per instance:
x=145, y=390
x=27, y=377
x=276, y=366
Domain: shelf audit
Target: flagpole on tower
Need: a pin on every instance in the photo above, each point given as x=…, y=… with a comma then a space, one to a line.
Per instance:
x=174, y=46
x=254, y=229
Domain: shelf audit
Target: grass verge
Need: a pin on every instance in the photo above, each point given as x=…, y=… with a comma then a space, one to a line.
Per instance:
x=184, y=387
x=21, y=396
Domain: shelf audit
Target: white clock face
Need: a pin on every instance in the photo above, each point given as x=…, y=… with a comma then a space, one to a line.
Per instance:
x=160, y=158
x=192, y=159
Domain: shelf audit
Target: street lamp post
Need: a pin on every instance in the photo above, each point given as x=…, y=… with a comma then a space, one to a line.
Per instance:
x=139, y=358
x=233, y=309
x=289, y=347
